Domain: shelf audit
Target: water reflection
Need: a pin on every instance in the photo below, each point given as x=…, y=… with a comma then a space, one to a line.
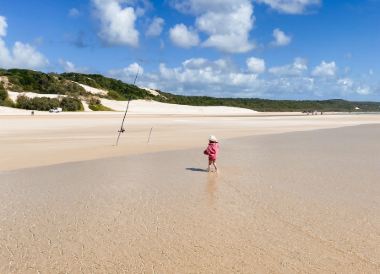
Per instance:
x=212, y=187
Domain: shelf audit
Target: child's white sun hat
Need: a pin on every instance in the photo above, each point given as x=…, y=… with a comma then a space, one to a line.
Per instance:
x=212, y=138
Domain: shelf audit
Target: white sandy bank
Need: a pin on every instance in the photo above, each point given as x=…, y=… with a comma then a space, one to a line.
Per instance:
x=137, y=107
x=13, y=95
x=153, y=107
x=13, y=111
x=92, y=90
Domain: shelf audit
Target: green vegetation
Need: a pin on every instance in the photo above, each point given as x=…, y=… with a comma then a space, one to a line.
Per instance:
x=99, y=107
x=28, y=80
x=45, y=103
x=117, y=89
x=4, y=99
x=71, y=104
x=37, y=103
x=266, y=105
x=8, y=103
x=113, y=95
x=95, y=105
x=34, y=81
x=3, y=93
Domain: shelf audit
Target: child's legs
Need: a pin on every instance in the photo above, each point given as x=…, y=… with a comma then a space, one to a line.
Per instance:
x=214, y=164
x=209, y=163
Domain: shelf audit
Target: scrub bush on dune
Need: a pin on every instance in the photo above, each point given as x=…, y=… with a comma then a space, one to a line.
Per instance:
x=71, y=104
x=45, y=104
x=37, y=103
x=3, y=94
x=95, y=105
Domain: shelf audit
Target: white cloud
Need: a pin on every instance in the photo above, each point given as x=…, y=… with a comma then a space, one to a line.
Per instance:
x=287, y=86
x=183, y=37
x=21, y=55
x=3, y=26
x=74, y=12
x=221, y=77
x=280, y=38
x=155, y=28
x=255, y=65
x=325, y=69
x=228, y=30
x=117, y=22
x=25, y=55
x=345, y=83
x=196, y=63
x=202, y=76
x=198, y=7
x=363, y=90
x=291, y=6
x=127, y=74
x=68, y=66
x=297, y=68
x=5, y=56
x=224, y=78
x=196, y=70
x=227, y=23
x=349, y=86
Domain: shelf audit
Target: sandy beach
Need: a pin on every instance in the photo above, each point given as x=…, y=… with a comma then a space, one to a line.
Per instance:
x=295, y=194
x=52, y=138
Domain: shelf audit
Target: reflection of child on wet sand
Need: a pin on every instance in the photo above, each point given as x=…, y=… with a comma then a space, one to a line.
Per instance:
x=212, y=152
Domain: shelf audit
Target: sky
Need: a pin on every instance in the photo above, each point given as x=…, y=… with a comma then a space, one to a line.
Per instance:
x=275, y=49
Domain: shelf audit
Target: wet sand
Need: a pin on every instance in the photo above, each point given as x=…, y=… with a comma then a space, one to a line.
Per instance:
x=31, y=141
x=297, y=202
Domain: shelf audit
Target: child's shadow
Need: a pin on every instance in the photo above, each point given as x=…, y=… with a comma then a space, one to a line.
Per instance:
x=196, y=169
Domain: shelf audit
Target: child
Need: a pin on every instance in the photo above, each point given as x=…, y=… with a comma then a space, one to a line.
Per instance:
x=212, y=152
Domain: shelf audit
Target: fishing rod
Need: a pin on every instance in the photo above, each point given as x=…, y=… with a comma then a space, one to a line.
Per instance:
x=122, y=129
x=150, y=133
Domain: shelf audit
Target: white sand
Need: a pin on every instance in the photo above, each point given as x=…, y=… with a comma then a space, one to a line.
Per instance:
x=63, y=137
x=138, y=106
x=153, y=107
x=92, y=90
x=13, y=95
x=151, y=91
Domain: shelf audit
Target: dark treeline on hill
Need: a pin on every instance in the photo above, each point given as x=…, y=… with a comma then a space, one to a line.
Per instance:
x=3, y=93
x=39, y=82
x=267, y=105
x=22, y=80
x=117, y=89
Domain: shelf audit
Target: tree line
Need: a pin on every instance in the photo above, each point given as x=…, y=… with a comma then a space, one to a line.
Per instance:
x=66, y=84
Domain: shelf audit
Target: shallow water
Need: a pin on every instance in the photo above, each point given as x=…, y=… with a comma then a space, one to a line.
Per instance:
x=305, y=202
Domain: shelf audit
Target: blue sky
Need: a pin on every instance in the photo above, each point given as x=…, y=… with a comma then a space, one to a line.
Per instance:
x=278, y=49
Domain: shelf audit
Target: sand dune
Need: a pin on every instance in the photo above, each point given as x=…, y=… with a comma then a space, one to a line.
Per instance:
x=95, y=91
x=13, y=95
x=153, y=107
x=139, y=106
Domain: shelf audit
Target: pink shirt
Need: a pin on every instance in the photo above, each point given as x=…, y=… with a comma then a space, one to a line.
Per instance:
x=212, y=151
